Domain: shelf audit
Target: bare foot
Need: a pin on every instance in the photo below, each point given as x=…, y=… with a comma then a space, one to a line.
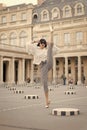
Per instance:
x=47, y=105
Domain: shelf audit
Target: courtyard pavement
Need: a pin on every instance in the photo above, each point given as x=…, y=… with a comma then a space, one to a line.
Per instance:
x=17, y=113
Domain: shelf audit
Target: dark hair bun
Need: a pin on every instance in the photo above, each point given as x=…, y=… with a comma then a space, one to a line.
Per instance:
x=42, y=41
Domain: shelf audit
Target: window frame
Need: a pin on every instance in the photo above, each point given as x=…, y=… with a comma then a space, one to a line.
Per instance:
x=23, y=16
x=3, y=20
x=57, y=12
x=13, y=18
x=44, y=15
x=13, y=38
x=76, y=9
x=3, y=39
x=67, y=38
x=79, y=37
x=64, y=11
x=23, y=38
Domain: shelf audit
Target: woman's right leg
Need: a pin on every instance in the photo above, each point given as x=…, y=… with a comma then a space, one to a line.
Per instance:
x=50, y=57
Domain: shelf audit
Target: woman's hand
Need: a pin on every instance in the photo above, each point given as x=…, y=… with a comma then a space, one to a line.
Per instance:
x=34, y=42
x=51, y=28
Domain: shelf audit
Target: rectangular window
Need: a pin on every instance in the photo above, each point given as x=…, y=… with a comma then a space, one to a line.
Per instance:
x=23, y=16
x=3, y=20
x=79, y=37
x=45, y=37
x=55, y=39
x=67, y=38
x=13, y=18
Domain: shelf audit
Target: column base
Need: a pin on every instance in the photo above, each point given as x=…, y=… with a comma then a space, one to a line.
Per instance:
x=79, y=82
x=1, y=83
x=54, y=81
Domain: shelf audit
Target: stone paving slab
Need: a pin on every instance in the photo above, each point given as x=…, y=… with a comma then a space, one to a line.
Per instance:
x=16, y=113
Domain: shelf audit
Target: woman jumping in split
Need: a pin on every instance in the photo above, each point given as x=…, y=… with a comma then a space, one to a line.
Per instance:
x=43, y=56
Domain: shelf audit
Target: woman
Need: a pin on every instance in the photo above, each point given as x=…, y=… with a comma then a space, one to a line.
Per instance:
x=43, y=56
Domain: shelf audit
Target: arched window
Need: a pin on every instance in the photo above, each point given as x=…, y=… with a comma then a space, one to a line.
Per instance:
x=35, y=17
x=13, y=39
x=79, y=9
x=3, y=39
x=67, y=11
x=55, y=13
x=44, y=15
x=23, y=38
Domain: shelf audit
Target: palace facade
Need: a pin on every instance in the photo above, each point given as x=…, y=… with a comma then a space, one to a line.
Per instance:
x=21, y=23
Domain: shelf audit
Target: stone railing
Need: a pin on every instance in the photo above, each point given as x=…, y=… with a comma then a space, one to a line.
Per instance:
x=75, y=47
x=12, y=48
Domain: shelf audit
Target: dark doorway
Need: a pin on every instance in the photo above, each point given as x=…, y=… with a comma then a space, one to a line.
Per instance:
x=16, y=72
x=4, y=72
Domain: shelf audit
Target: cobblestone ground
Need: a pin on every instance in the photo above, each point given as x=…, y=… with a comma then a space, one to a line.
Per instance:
x=18, y=113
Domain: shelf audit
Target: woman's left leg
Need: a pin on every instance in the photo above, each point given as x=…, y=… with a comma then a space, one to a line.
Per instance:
x=44, y=79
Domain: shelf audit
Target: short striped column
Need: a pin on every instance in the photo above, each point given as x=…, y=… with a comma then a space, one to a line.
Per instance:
x=18, y=91
x=12, y=88
x=70, y=92
x=51, y=89
x=31, y=96
x=71, y=87
x=65, y=112
x=37, y=87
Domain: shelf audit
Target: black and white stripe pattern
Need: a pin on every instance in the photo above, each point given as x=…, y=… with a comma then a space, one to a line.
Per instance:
x=65, y=112
x=12, y=88
x=18, y=91
x=71, y=87
x=31, y=97
x=70, y=92
x=51, y=89
x=37, y=87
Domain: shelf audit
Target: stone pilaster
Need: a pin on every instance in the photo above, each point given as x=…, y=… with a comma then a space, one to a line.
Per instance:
x=79, y=70
x=32, y=72
x=54, y=70
x=1, y=69
x=66, y=69
x=23, y=70
x=27, y=69
x=12, y=80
